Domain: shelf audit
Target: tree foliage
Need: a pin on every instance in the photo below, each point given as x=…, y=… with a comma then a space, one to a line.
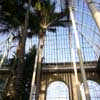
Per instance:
x=28, y=71
x=12, y=13
x=42, y=18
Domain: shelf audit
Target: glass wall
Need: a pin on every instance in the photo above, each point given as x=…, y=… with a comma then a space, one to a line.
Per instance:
x=94, y=89
x=57, y=91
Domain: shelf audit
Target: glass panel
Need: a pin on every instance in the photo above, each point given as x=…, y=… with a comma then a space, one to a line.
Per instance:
x=57, y=91
x=94, y=89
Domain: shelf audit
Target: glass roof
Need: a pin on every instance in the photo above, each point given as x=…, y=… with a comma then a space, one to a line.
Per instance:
x=57, y=49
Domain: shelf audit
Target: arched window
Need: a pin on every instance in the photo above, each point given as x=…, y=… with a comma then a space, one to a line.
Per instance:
x=57, y=91
x=94, y=90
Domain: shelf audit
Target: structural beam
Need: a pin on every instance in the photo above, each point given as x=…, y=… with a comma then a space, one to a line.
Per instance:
x=61, y=68
x=33, y=88
x=79, y=55
x=95, y=13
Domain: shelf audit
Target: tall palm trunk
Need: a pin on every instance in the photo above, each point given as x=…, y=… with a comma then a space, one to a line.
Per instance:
x=38, y=77
x=19, y=82
x=20, y=54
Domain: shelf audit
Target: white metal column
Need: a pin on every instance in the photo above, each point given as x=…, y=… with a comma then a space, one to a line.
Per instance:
x=79, y=55
x=95, y=13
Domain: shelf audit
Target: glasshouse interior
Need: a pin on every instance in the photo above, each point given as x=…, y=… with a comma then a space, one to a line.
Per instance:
x=49, y=49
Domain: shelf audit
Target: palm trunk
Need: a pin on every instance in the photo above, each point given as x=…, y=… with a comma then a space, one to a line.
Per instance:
x=20, y=54
x=38, y=78
x=19, y=82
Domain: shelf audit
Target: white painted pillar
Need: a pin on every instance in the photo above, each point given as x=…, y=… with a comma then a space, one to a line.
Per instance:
x=79, y=55
x=95, y=13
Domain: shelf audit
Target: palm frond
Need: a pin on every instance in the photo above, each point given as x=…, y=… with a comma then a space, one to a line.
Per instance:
x=13, y=13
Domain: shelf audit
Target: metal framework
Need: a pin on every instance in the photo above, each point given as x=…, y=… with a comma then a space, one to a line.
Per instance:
x=84, y=47
x=57, y=45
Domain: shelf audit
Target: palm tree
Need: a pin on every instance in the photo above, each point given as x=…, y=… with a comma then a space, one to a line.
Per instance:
x=14, y=17
x=48, y=19
x=8, y=91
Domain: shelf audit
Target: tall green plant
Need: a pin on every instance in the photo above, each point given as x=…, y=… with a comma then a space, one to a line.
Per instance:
x=43, y=18
x=13, y=17
x=48, y=19
x=28, y=69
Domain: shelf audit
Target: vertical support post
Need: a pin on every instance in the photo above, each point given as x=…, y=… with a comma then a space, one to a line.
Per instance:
x=76, y=76
x=95, y=13
x=34, y=77
x=80, y=55
x=72, y=55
